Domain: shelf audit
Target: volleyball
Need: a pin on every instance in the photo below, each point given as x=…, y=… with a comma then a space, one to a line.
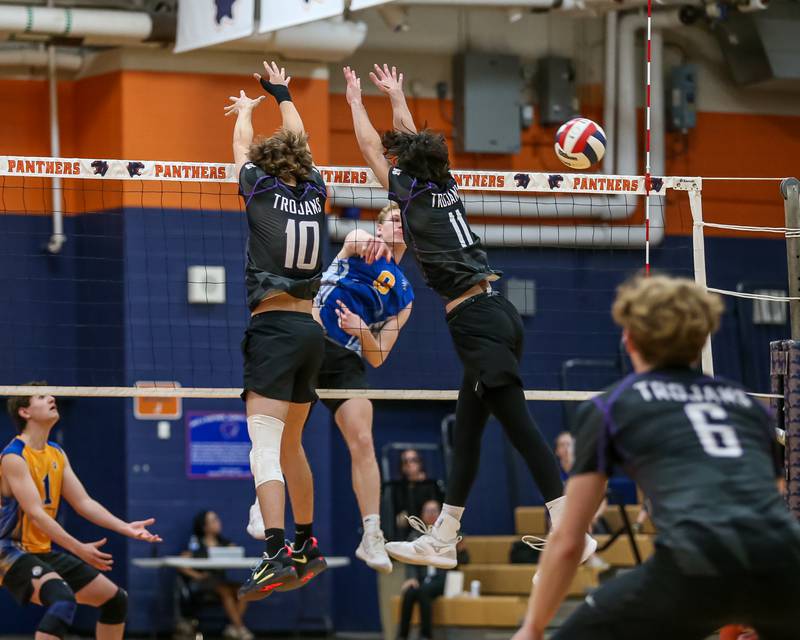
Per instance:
x=580, y=143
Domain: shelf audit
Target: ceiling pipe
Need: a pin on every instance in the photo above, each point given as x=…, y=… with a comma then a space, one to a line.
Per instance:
x=57, y=238
x=89, y=24
x=32, y=56
x=610, y=91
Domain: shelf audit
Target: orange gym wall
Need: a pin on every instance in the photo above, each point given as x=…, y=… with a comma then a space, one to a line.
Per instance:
x=174, y=116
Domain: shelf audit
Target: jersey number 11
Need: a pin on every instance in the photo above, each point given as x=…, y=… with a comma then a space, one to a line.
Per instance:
x=308, y=231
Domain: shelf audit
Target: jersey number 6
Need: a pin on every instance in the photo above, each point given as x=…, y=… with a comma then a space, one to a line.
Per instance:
x=717, y=439
x=304, y=229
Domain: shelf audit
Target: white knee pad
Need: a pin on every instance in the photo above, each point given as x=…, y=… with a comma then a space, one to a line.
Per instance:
x=265, y=454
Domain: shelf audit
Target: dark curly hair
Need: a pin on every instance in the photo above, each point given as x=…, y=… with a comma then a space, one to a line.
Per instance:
x=424, y=155
x=284, y=155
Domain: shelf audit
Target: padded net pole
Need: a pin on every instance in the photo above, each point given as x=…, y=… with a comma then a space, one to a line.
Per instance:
x=699, y=259
x=790, y=190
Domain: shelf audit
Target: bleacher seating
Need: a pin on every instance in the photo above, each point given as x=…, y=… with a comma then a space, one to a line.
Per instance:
x=505, y=586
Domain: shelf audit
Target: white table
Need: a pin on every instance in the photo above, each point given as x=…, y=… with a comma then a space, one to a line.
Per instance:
x=182, y=562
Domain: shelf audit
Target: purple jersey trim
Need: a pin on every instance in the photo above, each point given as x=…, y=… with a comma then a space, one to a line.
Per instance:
x=610, y=427
x=256, y=192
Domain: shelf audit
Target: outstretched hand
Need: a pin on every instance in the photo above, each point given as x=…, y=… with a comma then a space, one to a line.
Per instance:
x=353, y=93
x=138, y=531
x=389, y=81
x=242, y=103
x=275, y=75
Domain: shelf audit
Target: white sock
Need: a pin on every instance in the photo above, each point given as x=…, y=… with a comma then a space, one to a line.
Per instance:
x=455, y=512
x=556, y=510
x=372, y=523
x=449, y=522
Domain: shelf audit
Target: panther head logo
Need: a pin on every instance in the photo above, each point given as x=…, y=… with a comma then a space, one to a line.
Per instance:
x=555, y=181
x=100, y=167
x=522, y=180
x=135, y=168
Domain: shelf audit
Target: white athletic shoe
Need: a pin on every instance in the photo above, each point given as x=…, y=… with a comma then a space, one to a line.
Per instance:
x=427, y=550
x=372, y=550
x=535, y=542
x=255, y=526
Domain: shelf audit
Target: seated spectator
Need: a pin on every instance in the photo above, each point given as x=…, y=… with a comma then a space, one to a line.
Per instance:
x=424, y=584
x=207, y=533
x=412, y=491
x=565, y=453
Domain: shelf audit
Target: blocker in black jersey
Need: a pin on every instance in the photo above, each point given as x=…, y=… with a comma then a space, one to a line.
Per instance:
x=282, y=350
x=435, y=228
x=286, y=223
x=727, y=550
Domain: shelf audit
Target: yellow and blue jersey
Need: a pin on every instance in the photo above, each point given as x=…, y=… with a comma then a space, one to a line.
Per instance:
x=46, y=467
x=375, y=292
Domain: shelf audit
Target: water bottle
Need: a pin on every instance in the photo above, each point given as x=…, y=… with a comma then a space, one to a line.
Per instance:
x=475, y=588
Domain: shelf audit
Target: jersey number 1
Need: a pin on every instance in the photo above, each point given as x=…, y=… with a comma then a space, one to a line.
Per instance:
x=717, y=439
x=306, y=229
x=46, y=482
x=461, y=228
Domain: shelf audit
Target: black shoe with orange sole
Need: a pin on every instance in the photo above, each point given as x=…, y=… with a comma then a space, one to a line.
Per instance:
x=308, y=562
x=271, y=574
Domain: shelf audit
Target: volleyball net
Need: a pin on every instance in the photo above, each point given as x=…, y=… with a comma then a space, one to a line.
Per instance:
x=145, y=293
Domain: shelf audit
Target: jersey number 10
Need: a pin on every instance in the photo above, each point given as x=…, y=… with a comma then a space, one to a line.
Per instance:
x=717, y=439
x=308, y=231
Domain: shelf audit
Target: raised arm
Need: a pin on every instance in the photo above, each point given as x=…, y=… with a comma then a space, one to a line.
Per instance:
x=360, y=243
x=16, y=473
x=243, y=129
x=368, y=139
x=390, y=82
x=277, y=85
x=93, y=511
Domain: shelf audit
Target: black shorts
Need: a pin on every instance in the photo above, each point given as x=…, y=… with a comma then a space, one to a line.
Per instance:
x=76, y=573
x=658, y=601
x=282, y=354
x=341, y=369
x=488, y=334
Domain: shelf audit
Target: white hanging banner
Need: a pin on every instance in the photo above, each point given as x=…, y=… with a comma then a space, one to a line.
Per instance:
x=279, y=14
x=202, y=23
x=356, y=5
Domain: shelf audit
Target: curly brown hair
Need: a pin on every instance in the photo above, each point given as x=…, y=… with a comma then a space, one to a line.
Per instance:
x=15, y=403
x=667, y=319
x=284, y=154
x=424, y=155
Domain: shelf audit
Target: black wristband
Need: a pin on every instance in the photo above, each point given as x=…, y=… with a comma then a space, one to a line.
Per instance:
x=278, y=91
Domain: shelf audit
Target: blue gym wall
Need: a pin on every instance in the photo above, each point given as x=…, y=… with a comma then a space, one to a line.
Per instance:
x=111, y=309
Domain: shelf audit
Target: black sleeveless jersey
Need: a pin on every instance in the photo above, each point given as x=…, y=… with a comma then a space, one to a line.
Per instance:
x=286, y=225
x=704, y=453
x=435, y=229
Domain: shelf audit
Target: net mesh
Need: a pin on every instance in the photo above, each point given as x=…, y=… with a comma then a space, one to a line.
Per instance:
x=110, y=315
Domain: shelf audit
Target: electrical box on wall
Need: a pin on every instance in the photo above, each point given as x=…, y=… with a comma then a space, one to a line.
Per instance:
x=682, y=98
x=486, y=103
x=555, y=86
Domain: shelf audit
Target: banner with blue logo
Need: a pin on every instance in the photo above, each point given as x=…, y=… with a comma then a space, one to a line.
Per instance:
x=217, y=445
x=202, y=23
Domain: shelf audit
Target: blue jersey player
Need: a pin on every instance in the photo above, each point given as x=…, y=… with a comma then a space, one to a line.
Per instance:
x=362, y=307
